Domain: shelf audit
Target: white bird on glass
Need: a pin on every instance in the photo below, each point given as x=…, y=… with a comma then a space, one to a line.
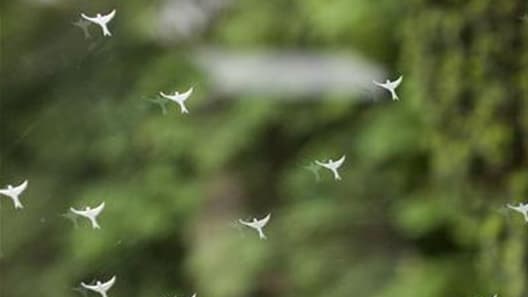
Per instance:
x=521, y=208
x=390, y=86
x=101, y=288
x=90, y=213
x=14, y=193
x=102, y=21
x=333, y=166
x=257, y=225
x=179, y=98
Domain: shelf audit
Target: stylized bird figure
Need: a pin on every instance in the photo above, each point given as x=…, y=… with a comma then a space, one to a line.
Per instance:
x=14, y=193
x=521, y=208
x=90, y=213
x=179, y=98
x=101, y=288
x=390, y=86
x=102, y=21
x=258, y=225
x=333, y=166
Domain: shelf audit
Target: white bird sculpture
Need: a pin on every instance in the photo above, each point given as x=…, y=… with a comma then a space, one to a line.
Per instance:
x=521, y=208
x=101, y=288
x=333, y=166
x=14, y=193
x=257, y=225
x=102, y=21
x=90, y=213
x=390, y=86
x=179, y=98
x=83, y=24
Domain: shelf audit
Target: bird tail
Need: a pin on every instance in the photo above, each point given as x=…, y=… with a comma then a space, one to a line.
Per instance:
x=261, y=234
x=18, y=204
x=394, y=96
x=184, y=109
x=95, y=225
x=106, y=32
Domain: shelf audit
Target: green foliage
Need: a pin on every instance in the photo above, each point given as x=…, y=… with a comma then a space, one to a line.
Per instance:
x=420, y=210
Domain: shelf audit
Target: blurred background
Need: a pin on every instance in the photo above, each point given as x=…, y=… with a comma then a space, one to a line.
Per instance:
x=278, y=84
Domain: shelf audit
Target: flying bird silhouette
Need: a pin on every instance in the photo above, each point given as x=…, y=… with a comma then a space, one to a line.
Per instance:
x=257, y=225
x=333, y=166
x=521, y=208
x=83, y=24
x=101, y=288
x=90, y=213
x=102, y=21
x=179, y=98
x=14, y=193
x=391, y=86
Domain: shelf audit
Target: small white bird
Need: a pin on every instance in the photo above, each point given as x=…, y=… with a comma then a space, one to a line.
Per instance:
x=90, y=213
x=102, y=21
x=333, y=166
x=101, y=288
x=15, y=192
x=391, y=86
x=522, y=208
x=179, y=98
x=257, y=225
x=83, y=24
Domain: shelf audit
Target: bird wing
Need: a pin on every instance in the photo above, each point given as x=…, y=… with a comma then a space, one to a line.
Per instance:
x=321, y=164
x=95, y=20
x=108, y=17
x=19, y=189
x=106, y=286
x=96, y=211
x=379, y=84
x=187, y=94
x=164, y=95
x=93, y=288
x=78, y=212
x=264, y=221
x=5, y=192
x=194, y=295
x=396, y=83
x=516, y=208
x=249, y=224
x=339, y=162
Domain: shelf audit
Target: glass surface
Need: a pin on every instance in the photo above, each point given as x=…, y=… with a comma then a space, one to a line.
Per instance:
x=284, y=108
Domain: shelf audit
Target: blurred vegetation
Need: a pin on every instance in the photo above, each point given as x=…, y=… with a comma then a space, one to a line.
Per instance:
x=420, y=210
